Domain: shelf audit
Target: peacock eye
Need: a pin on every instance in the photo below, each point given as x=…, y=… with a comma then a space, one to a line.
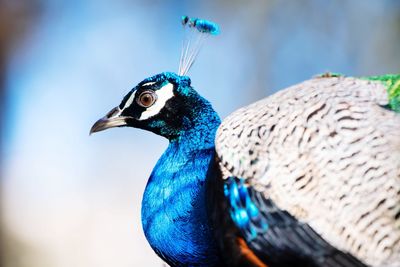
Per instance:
x=147, y=99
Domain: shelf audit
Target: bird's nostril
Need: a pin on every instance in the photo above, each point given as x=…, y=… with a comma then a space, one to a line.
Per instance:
x=114, y=112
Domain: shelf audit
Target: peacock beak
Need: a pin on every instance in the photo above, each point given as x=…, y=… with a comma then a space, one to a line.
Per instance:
x=112, y=119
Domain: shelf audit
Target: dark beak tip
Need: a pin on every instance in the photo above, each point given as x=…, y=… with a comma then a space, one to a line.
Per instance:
x=91, y=131
x=98, y=126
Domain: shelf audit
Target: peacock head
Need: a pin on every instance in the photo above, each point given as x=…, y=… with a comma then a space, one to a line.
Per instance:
x=165, y=103
x=160, y=104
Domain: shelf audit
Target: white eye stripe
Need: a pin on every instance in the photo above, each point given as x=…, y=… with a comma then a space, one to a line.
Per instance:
x=149, y=83
x=163, y=95
x=130, y=100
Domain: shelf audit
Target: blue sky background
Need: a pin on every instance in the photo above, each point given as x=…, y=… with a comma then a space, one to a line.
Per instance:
x=73, y=200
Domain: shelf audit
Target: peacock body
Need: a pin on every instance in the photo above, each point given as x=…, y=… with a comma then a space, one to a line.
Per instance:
x=327, y=151
x=309, y=176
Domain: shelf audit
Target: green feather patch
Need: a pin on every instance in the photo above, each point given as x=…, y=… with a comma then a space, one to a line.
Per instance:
x=392, y=82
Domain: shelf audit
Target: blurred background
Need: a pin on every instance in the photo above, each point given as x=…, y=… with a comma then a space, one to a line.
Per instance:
x=68, y=199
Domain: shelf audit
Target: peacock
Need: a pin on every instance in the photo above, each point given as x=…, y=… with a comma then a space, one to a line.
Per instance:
x=309, y=176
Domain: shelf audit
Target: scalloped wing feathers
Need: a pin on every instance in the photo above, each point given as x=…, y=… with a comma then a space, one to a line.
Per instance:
x=328, y=152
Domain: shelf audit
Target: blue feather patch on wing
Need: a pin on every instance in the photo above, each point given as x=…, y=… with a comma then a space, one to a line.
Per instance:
x=244, y=213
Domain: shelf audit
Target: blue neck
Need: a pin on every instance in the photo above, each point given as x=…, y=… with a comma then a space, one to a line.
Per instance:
x=174, y=215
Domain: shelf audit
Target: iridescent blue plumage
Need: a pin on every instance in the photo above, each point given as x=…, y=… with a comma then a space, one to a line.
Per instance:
x=174, y=202
x=173, y=209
